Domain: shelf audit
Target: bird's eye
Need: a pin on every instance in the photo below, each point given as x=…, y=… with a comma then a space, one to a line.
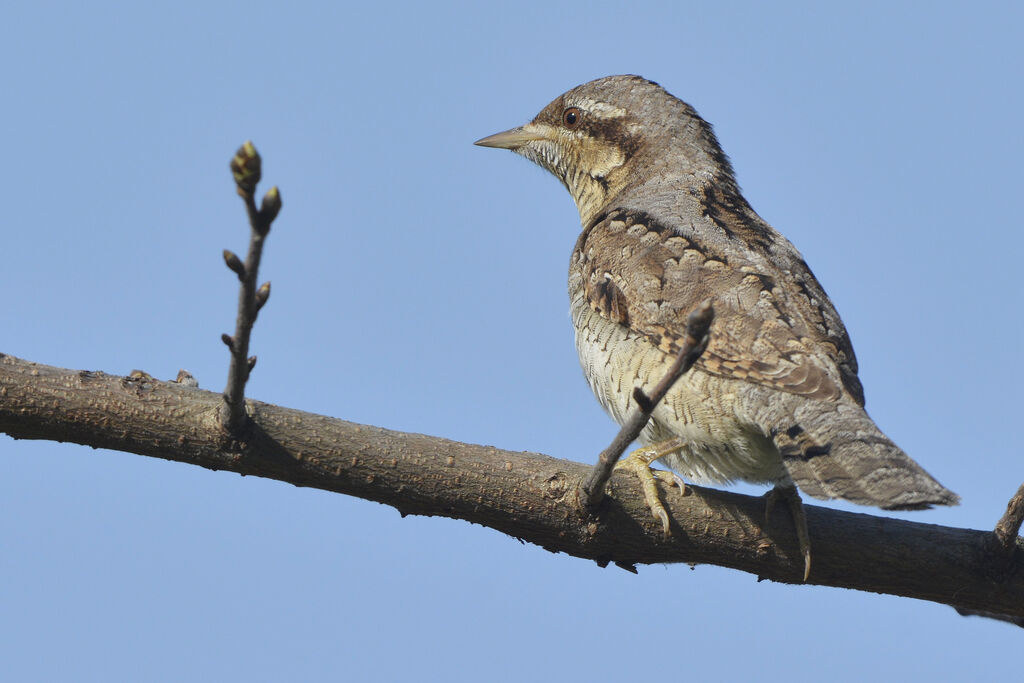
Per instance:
x=572, y=117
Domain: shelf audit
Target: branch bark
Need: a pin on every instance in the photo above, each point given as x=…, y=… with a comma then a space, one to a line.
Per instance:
x=530, y=496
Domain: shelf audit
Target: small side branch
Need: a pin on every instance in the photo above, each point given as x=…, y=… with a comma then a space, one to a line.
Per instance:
x=698, y=325
x=1008, y=526
x=1003, y=542
x=1003, y=553
x=246, y=168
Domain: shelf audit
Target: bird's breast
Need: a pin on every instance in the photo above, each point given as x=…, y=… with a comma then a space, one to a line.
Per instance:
x=700, y=408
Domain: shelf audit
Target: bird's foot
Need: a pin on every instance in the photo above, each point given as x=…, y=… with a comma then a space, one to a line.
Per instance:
x=639, y=463
x=796, y=509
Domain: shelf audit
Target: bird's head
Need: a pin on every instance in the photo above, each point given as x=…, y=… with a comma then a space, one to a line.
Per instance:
x=606, y=136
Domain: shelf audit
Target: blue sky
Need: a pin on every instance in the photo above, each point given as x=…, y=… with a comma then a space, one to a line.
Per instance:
x=419, y=284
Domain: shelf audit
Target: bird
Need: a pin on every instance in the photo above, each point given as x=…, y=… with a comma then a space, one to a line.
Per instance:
x=775, y=397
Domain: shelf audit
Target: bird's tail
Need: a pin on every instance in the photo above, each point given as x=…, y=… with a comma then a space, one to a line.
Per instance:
x=832, y=449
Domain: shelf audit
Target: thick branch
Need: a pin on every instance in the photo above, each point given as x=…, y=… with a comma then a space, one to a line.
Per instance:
x=526, y=495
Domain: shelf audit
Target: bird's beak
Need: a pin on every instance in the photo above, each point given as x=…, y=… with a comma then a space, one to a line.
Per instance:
x=512, y=139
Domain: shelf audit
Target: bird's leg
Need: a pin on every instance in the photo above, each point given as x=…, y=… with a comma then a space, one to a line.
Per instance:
x=639, y=463
x=789, y=494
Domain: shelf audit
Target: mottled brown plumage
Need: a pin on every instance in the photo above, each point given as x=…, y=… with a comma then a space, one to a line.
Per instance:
x=775, y=398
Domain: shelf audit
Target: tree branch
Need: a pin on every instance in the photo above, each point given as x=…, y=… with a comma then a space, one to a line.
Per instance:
x=246, y=167
x=527, y=495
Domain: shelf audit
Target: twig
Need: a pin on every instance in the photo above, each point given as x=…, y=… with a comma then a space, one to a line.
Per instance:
x=246, y=168
x=1009, y=525
x=698, y=324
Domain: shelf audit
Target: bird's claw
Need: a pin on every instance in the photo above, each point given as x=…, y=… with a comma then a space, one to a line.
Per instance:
x=796, y=509
x=639, y=463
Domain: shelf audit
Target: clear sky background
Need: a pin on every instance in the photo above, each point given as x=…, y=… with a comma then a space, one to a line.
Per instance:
x=419, y=284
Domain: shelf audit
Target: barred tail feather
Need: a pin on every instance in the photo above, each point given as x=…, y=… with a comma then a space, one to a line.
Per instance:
x=834, y=450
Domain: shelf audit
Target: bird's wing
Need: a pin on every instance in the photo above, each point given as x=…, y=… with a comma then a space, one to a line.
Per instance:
x=772, y=328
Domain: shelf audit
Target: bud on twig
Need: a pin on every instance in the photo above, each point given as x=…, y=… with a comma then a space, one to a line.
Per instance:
x=262, y=294
x=246, y=168
x=234, y=263
x=270, y=206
